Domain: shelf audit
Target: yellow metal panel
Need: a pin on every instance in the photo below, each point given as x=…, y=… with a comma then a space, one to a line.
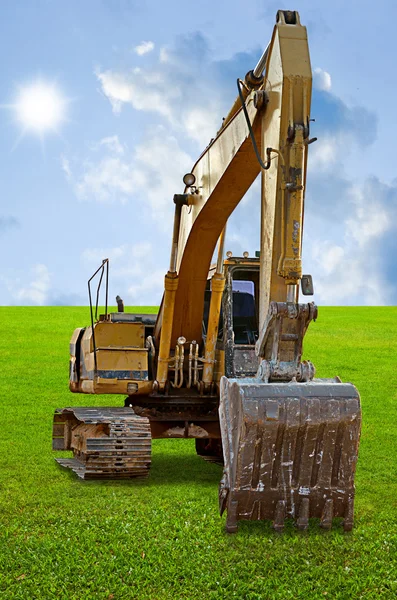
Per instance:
x=217, y=287
x=106, y=386
x=122, y=360
x=106, y=381
x=119, y=334
x=168, y=306
x=288, y=82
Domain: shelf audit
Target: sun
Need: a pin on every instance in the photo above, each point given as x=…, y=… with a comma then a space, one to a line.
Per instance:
x=40, y=107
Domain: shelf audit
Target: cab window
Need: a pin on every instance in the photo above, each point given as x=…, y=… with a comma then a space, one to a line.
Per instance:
x=244, y=301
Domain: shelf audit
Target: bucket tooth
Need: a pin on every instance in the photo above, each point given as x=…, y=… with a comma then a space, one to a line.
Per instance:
x=279, y=516
x=348, y=520
x=231, y=519
x=302, y=522
x=328, y=513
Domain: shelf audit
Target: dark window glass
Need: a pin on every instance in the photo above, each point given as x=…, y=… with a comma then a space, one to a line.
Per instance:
x=245, y=318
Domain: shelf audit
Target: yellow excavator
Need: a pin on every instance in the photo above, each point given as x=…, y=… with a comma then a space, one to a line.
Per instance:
x=221, y=362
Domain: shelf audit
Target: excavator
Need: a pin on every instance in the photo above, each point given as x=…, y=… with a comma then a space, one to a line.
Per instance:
x=221, y=362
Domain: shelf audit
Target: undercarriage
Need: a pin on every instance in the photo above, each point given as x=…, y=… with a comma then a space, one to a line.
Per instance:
x=107, y=443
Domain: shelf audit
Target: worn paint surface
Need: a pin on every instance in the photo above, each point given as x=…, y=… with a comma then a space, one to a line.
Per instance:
x=290, y=450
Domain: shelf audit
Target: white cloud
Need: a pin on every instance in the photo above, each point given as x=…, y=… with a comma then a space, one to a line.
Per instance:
x=192, y=109
x=148, y=287
x=37, y=290
x=112, y=143
x=348, y=259
x=96, y=255
x=201, y=124
x=341, y=277
x=331, y=256
x=144, y=90
x=110, y=180
x=322, y=80
x=164, y=56
x=136, y=270
x=161, y=164
x=348, y=249
x=144, y=48
x=323, y=154
x=141, y=249
x=65, y=165
x=370, y=220
x=152, y=174
x=116, y=89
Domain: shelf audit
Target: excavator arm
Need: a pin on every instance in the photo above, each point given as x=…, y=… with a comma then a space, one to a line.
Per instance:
x=275, y=119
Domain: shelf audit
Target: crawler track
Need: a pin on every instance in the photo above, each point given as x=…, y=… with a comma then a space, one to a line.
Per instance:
x=107, y=443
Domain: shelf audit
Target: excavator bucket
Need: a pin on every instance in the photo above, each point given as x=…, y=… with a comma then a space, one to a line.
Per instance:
x=290, y=451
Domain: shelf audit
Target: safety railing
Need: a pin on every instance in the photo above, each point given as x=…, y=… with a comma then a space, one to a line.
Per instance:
x=104, y=270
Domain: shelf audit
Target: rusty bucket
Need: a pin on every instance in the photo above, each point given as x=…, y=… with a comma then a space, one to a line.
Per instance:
x=290, y=451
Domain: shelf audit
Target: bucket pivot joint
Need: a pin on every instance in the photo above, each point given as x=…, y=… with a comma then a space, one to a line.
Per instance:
x=281, y=340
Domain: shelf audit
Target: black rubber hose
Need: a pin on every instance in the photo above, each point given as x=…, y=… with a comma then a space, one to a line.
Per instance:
x=258, y=156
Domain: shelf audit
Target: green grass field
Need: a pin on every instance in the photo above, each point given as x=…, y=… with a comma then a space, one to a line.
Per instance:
x=162, y=537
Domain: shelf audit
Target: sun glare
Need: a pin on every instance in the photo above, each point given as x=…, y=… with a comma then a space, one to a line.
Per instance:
x=40, y=107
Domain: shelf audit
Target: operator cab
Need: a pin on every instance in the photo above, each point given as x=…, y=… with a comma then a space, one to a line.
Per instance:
x=239, y=318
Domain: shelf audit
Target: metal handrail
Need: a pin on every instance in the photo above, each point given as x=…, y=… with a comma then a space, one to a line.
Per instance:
x=101, y=268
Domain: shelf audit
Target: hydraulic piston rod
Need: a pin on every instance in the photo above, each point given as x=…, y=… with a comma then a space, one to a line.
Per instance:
x=217, y=287
x=170, y=288
x=260, y=67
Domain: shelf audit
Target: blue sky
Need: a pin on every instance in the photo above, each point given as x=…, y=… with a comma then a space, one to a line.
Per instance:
x=143, y=87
